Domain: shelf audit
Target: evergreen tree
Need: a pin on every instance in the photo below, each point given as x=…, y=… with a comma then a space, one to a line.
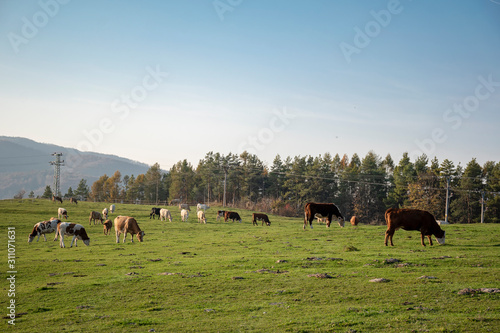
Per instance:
x=82, y=191
x=153, y=190
x=466, y=207
x=491, y=174
x=70, y=193
x=47, y=194
x=404, y=174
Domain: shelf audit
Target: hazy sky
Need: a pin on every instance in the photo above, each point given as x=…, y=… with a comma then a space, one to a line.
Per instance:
x=163, y=81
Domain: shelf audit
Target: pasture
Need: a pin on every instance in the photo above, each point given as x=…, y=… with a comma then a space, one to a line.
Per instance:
x=235, y=277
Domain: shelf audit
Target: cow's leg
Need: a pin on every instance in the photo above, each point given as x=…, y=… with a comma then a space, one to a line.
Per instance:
x=388, y=236
x=430, y=239
x=61, y=240
x=55, y=238
x=117, y=236
x=44, y=237
x=329, y=220
x=422, y=238
x=73, y=240
x=124, y=236
x=132, y=237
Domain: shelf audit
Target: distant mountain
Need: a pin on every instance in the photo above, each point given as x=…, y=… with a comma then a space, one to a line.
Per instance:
x=24, y=165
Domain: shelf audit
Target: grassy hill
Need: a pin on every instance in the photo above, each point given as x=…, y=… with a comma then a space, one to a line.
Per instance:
x=232, y=277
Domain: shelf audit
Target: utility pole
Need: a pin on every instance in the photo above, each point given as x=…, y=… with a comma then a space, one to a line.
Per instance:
x=482, y=206
x=448, y=179
x=225, y=181
x=57, y=173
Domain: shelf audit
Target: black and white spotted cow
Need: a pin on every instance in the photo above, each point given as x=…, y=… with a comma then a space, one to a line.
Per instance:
x=42, y=228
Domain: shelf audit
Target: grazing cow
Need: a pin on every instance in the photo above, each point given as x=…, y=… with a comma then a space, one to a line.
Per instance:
x=354, y=221
x=175, y=202
x=105, y=213
x=184, y=206
x=220, y=213
x=201, y=217
x=202, y=206
x=107, y=227
x=127, y=224
x=61, y=212
x=54, y=198
x=321, y=219
x=262, y=217
x=72, y=229
x=232, y=216
x=184, y=215
x=413, y=219
x=42, y=228
x=95, y=216
x=154, y=211
x=165, y=214
x=73, y=200
x=312, y=210
x=112, y=209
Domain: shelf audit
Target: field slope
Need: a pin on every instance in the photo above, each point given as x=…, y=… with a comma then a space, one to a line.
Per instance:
x=235, y=277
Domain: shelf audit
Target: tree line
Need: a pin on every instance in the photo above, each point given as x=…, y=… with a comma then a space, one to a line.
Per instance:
x=364, y=187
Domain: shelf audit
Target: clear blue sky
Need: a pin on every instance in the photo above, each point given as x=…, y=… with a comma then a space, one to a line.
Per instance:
x=163, y=81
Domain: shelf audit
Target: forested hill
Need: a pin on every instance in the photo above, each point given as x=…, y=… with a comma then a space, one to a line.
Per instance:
x=24, y=165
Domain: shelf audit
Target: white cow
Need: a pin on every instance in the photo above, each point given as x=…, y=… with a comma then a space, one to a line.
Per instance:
x=62, y=212
x=72, y=229
x=105, y=213
x=201, y=217
x=165, y=214
x=184, y=215
x=202, y=206
x=112, y=209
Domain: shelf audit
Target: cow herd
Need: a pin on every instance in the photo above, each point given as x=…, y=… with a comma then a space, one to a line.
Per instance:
x=123, y=225
x=406, y=219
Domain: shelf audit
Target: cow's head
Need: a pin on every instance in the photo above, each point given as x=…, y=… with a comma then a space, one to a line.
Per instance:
x=86, y=241
x=440, y=240
x=33, y=234
x=268, y=223
x=140, y=236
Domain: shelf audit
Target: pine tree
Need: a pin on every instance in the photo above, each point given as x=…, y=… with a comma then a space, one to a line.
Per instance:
x=82, y=191
x=47, y=194
x=466, y=207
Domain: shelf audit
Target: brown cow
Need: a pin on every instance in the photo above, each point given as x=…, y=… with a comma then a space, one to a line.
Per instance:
x=220, y=213
x=55, y=198
x=354, y=221
x=412, y=219
x=127, y=224
x=312, y=210
x=261, y=217
x=95, y=216
x=107, y=227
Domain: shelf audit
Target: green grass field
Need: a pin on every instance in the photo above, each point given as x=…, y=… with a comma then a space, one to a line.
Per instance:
x=235, y=277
